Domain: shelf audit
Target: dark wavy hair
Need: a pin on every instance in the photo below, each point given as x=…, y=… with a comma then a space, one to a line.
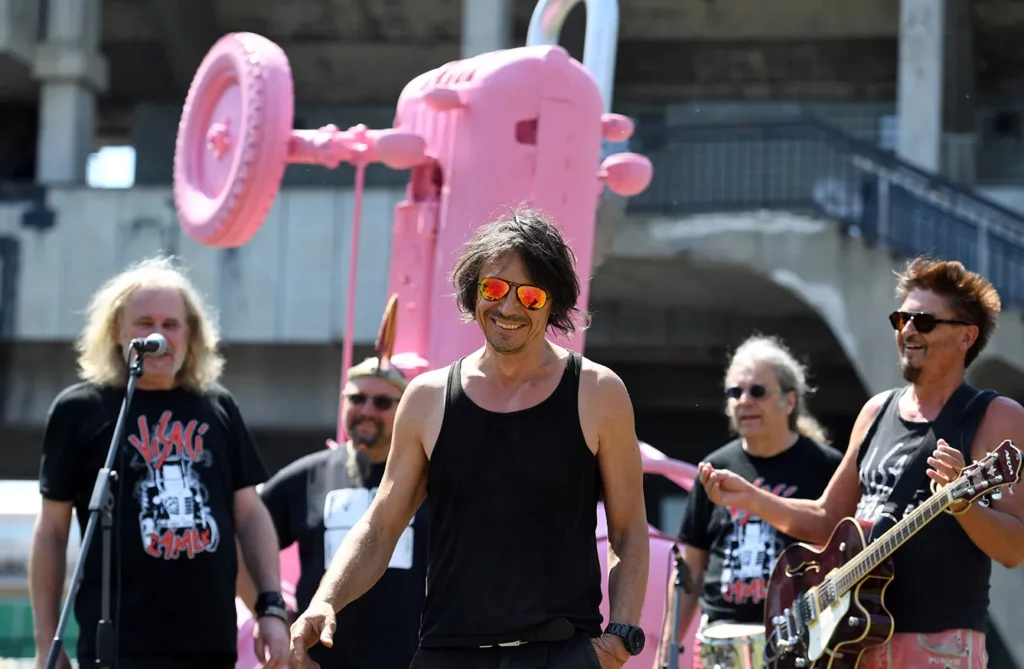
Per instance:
x=529, y=234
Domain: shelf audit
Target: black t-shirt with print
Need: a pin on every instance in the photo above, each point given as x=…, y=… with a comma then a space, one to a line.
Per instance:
x=314, y=501
x=742, y=548
x=183, y=456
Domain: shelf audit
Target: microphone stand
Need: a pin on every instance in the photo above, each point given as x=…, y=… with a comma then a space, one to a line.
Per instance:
x=681, y=584
x=101, y=509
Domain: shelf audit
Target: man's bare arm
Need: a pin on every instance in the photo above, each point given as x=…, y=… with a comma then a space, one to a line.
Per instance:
x=245, y=589
x=257, y=539
x=622, y=476
x=47, y=568
x=365, y=552
x=998, y=530
x=813, y=520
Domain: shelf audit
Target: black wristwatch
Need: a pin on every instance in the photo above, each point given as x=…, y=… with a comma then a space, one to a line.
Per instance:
x=631, y=635
x=271, y=604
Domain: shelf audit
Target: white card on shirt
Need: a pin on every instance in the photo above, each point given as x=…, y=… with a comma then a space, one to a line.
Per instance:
x=400, y=559
x=342, y=509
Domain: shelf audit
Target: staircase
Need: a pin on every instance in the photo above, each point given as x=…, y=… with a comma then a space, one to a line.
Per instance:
x=807, y=166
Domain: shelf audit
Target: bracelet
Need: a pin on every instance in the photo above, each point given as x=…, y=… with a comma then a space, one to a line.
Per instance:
x=271, y=604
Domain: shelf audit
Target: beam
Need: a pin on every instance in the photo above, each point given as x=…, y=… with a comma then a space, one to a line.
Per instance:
x=188, y=28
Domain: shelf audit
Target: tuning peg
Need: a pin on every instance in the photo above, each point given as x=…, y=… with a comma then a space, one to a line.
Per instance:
x=997, y=495
x=1009, y=488
x=984, y=501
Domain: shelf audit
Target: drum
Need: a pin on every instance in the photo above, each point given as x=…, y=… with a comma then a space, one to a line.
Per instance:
x=727, y=645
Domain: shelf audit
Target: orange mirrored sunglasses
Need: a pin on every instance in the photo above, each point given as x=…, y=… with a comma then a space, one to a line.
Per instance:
x=493, y=289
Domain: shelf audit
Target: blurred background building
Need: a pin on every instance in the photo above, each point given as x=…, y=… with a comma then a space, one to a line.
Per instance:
x=802, y=150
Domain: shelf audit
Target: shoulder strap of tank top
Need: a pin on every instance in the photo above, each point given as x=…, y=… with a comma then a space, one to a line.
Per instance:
x=575, y=363
x=453, y=391
x=569, y=386
x=955, y=414
x=973, y=412
x=873, y=428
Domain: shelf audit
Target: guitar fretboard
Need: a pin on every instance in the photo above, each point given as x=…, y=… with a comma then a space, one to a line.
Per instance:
x=845, y=578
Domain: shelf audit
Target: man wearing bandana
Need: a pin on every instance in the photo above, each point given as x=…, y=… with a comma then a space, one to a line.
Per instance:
x=318, y=498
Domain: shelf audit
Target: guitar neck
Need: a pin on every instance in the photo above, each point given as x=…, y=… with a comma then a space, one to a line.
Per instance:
x=856, y=569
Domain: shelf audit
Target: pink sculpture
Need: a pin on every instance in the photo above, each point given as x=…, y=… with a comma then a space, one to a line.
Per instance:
x=502, y=128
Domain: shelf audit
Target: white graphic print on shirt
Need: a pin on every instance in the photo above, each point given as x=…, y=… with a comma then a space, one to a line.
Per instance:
x=750, y=551
x=878, y=475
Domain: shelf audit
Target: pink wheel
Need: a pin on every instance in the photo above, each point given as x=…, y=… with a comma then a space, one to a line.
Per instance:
x=232, y=144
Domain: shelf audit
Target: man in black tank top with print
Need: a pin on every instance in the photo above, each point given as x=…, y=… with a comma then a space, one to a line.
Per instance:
x=939, y=597
x=781, y=448
x=515, y=444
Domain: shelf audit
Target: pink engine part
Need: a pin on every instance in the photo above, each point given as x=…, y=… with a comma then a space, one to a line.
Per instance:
x=503, y=128
x=510, y=127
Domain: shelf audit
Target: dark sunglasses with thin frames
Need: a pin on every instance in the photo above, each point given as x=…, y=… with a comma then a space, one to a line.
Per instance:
x=923, y=322
x=380, y=402
x=757, y=391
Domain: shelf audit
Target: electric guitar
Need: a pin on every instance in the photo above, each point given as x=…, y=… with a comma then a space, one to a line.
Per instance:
x=825, y=608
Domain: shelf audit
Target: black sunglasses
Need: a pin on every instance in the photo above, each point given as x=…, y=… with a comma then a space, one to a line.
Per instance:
x=757, y=391
x=923, y=323
x=380, y=402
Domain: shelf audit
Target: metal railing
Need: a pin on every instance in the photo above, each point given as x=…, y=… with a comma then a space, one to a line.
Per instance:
x=804, y=165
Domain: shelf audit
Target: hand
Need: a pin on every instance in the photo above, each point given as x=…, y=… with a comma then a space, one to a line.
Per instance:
x=611, y=653
x=316, y=624
x=722, y=486
x=270, y=638
x=946, y=464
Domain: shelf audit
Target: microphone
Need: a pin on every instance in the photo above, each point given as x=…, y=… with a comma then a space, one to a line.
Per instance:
x=154, y=343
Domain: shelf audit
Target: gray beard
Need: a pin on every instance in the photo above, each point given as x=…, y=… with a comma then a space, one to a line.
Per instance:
x=357, y=462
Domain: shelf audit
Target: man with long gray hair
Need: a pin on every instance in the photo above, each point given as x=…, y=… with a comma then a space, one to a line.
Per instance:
x=779, y=447
x=185, y=488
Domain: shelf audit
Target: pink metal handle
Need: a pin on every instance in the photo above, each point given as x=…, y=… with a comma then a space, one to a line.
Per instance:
x=329, y=146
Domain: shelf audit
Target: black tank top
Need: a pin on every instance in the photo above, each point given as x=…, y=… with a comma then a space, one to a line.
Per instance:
x=941, y=577
x=513, y=509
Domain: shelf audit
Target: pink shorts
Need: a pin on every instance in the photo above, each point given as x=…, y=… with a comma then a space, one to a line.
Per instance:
x=951, y=649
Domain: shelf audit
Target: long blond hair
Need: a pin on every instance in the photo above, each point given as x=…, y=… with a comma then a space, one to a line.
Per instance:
x=100, y=356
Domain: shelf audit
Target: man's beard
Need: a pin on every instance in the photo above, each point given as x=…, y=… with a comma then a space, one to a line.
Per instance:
x=910, y=374
x=360, y=439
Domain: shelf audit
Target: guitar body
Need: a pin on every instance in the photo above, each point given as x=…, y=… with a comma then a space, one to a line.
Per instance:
x=838, y=636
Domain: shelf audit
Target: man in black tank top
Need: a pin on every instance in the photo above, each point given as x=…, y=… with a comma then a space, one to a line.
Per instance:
x=515, y=445
x=779, y=447
x=939, y=597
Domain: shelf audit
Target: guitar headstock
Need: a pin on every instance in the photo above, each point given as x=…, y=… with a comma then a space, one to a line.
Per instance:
x=987, y=476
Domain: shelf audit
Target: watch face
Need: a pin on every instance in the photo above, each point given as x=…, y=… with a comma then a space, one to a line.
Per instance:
x=636, y=641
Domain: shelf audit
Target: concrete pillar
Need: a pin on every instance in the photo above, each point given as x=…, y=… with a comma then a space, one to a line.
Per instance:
x=486, y=26
x=935, y=96
x=72, y=73
x=959, y=131
x=919, y=83
x=19, y=25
